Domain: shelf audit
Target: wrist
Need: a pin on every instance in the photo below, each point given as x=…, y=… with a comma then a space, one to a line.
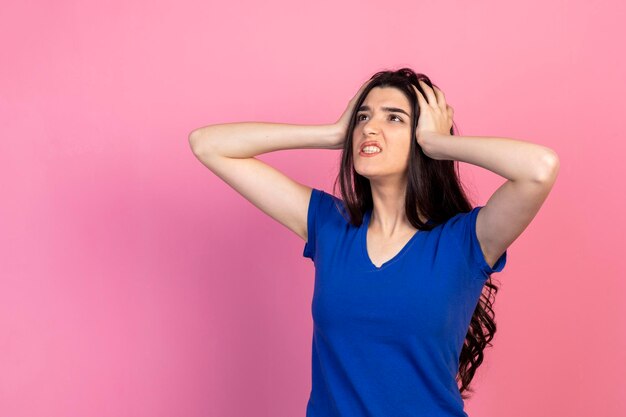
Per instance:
x=428, y=142
x=334, y=135
x=424, y=142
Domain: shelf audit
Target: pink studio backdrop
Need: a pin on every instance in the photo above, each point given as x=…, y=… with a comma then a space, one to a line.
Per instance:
x=134, y=282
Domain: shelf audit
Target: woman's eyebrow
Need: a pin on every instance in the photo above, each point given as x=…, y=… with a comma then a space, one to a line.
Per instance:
x=387, y=109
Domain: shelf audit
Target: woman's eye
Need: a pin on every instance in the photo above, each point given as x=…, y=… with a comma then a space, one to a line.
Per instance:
x=358, y=117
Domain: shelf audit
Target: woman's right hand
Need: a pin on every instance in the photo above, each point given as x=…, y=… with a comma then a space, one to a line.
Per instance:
x=341, y=126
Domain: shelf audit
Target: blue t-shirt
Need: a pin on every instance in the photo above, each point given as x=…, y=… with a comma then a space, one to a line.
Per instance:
x=387, y=340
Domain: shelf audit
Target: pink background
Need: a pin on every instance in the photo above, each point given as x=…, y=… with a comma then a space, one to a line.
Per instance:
x=136, y=283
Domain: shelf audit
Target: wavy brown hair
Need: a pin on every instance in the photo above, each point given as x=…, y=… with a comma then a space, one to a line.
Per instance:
x=441, y=196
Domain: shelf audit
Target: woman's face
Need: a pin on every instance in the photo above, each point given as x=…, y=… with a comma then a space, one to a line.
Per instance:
x=384, y=118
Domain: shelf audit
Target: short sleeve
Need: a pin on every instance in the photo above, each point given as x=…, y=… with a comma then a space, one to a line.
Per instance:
x=464, y=224
x=312, y=214
x=324, y=216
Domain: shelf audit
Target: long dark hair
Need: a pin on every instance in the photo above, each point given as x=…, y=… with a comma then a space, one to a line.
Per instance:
x=441, y=196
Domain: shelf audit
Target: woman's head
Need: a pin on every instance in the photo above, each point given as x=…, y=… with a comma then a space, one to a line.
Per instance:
x=386, y=114
x=432, y=187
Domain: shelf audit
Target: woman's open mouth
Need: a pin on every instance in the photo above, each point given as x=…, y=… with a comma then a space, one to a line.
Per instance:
x=369, y=151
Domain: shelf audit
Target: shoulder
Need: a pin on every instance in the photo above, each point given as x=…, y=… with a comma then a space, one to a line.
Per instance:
x=461, y=228
x=324, y=220
x=325, y=206
x=462, y=219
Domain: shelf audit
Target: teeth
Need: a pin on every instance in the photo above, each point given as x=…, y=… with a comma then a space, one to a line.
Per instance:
x=371, y=149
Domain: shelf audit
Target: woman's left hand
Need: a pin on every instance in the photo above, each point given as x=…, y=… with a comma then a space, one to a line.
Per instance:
x=435, y=114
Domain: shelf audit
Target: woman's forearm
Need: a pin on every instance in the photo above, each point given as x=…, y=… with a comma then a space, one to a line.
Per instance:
x=248, y=139
x=510, y=158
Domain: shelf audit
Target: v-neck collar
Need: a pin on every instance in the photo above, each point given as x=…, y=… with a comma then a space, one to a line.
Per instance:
x=363, y=243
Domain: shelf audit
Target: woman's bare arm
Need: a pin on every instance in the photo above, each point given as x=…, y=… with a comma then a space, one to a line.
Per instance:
x=229, y=151
x=248, y=139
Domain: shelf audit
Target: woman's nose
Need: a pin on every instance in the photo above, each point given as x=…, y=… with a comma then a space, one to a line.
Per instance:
x=370, y=126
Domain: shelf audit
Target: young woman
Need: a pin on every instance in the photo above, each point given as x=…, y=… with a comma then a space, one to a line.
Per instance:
x=403, y=263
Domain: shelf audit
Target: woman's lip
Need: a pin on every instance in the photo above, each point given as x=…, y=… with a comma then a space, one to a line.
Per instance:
x=370, y=143
x=368, y=155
